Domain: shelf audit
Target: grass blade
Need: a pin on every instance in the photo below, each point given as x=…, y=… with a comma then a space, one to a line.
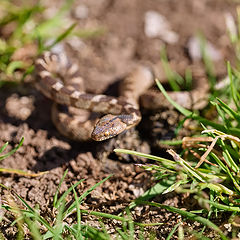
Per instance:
x=61, y=199
x=170, y=235
x=21, y=172
x=3, y=147
x=78, y=235
x=34, y=214
x=164, y=161
x=229, y=111
x=58, y=188
x=171, y=76
x=73, y=205
x=34, y=229
x=233, y=90
x=12, y=151
x=62, y=36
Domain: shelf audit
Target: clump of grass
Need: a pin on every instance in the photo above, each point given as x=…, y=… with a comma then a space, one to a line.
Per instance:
x=208, y=166
x=58, y=227
x=202, y=169
x=25, y=33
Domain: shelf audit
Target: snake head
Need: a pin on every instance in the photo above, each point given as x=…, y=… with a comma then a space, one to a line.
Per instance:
x=107, y=127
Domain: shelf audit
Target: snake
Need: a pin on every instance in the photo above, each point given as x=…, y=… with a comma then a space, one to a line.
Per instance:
x=76, y=114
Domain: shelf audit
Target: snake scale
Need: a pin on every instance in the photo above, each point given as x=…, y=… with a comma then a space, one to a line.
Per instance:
x=59, y=79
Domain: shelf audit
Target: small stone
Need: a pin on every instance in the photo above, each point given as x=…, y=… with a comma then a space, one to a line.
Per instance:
x=136, y=191
x=58, y=48
x=19, y=107
x=76, y=43
x=156, y=25
x=223, y=83
x=195, y=51
x=228, y=227
x=81, y=11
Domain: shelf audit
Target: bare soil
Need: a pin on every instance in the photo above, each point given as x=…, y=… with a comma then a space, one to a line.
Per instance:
x=104, y=60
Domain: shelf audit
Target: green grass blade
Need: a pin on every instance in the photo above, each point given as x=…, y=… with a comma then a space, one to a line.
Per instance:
x=170, y=235
x=171, y=76
x=230, y=112
x=233, y=180
x=89, y=232
x=216, y=187
x=221, y=206
x=164, y=161
x=122, y=234
x=175, y=186
x=78, y=235
x=55, y=198
x=188, y=169
x=233, y=90
x=105, y=215
x=189, y=78
x=34, y=229
x=46, y=28
x=104, y=229
x=93, y=233
x=86, y=33
x=228, y=158
x=218, y=161
x=58, y=227
x=180, y=233
x=34, y=214
x=130, y=224
x=48, y=235
x=170, y=142
x=73, y=205
x=28, y=71
x=12, y=151
x=61, y=199
x=3, y=147
x=222, y=115
x=181, y=109
x=62, y=36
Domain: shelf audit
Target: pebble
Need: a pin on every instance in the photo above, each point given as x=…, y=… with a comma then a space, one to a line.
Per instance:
x=19, y=107
x=195, y=52
x=156, y=25
x=81, y=11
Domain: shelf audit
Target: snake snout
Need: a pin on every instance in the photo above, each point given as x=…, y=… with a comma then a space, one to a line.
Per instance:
x=107, y=127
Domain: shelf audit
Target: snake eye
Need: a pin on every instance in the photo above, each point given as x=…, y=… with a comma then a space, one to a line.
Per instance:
x=106, y=134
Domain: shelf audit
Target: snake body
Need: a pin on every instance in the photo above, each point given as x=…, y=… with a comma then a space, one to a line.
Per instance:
x=59, y=79
x=121, y=115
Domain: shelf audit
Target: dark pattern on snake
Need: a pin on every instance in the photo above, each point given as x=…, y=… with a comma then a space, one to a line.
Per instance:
x=59, y=79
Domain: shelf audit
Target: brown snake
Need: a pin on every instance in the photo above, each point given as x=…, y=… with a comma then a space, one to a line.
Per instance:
x=59, y=79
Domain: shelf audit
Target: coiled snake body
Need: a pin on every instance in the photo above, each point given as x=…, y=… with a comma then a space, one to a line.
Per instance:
x=59, y=79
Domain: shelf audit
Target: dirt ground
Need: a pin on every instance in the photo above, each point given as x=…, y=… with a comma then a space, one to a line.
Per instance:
x=103, y=61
